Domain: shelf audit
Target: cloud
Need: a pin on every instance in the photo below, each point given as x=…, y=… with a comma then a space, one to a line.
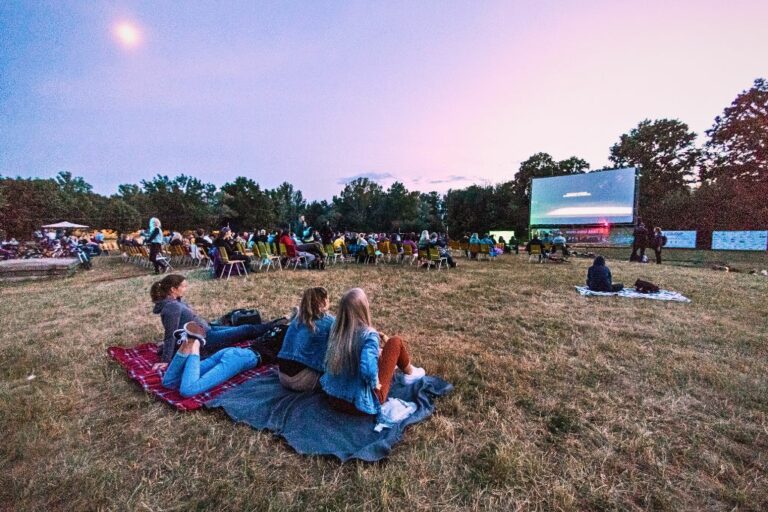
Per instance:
x=452, y=179
x=373, y=176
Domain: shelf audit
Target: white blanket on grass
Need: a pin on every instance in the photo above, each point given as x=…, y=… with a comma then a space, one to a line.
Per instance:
x=634, y=294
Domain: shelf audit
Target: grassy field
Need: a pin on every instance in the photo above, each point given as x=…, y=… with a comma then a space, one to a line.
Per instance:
x=561, y=402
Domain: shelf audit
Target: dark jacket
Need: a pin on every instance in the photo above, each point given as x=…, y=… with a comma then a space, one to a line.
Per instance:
x=174, y=313
x=599, y=276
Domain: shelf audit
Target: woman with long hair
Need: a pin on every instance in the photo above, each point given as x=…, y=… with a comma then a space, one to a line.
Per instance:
x=358, y=369
x=155, y=241
x=301, y=358
x=167, y=294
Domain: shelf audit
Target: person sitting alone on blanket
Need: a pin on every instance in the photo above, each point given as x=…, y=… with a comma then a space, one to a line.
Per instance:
x=167, y=296
x=599, y=277
x=301, y=358
x=358, y=370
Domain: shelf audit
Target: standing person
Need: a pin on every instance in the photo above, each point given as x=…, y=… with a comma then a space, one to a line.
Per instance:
x=657, y=242
x=640, y=242
x=358, y=370
x=301, y=358
x=155, y=241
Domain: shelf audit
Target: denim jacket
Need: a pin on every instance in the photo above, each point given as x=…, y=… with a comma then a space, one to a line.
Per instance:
x=358, y=389
x=307, y=347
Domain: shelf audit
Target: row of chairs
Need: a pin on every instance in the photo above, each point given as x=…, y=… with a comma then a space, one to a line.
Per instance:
x=171, y=255
x=483, y=251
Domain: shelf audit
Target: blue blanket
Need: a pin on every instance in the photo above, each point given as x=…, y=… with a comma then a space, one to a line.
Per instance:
x=311, y=427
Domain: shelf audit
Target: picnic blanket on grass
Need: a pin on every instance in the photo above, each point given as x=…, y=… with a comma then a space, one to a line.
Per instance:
x=307, y=422
x=634, y=294
x=138, y=362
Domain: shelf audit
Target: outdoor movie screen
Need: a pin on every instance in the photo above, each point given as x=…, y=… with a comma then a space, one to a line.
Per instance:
x=600, y=197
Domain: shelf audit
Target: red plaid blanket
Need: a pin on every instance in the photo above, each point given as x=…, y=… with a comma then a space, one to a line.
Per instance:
x=138, y=362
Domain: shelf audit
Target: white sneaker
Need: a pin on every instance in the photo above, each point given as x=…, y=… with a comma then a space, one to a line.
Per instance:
x=416, y=374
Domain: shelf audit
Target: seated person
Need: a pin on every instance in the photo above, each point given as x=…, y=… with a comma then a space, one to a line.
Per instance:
x=166, y=295
x=203, y=240
x=226, y=241
x=408, y=241
x=434, y=241
x=301, y=359
x=359, y=368
x=292, y=251
x=599, y=277
x=535, y=241
x=559, y=242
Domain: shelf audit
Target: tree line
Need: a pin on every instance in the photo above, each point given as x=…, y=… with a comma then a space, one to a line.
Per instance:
x=721, y=184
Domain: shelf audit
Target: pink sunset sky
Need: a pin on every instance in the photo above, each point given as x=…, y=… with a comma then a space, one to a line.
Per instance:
x=437, y=95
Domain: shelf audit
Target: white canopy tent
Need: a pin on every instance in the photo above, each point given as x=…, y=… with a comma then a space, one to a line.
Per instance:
x=65, y=225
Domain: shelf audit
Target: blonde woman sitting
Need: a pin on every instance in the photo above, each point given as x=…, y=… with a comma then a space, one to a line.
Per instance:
x=358, y=369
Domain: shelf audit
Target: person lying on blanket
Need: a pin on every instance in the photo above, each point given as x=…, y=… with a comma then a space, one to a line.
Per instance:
x=300, y=360
x=191, y=376
x=358, y=370
x=167, y=296
x=599, y=277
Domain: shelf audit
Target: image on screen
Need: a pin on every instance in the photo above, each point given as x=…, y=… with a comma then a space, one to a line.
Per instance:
x=604, y=197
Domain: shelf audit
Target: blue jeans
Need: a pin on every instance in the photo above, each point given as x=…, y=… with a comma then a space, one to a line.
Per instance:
x=221, y=336
x=191, y=376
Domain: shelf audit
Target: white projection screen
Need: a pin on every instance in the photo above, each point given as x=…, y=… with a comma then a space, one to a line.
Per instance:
x=593, y=198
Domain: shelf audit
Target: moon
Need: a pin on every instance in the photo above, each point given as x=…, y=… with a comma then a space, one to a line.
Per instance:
x=127, y=34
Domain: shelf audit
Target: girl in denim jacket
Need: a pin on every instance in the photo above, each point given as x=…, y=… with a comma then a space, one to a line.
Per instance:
x=359, y=363
x=301, y=358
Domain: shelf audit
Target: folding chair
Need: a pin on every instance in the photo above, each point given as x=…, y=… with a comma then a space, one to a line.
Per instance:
x=331, y=255
x=408, y=256
x=295, y=259
x=370, y=252
x=535, y=252
x=434, y=257
x=266, y=254
x=229, y=264
x=384, y=250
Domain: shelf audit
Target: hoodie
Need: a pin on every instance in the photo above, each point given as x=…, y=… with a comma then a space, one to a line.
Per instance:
x=174, y=313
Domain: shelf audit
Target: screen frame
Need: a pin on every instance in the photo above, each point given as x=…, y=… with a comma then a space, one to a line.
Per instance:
x=565, y=225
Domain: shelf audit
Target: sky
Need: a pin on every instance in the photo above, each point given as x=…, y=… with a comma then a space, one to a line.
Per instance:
x=435, y=94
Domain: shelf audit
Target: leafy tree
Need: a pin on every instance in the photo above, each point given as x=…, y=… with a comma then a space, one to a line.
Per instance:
x=77, y=199
x=181, y=203
x=664, y=151
x=118, y=214
x=357, y=203
x=30, y=204
x=432, y=212
x=250, y=206
x=467, y=210
x=288, y=203
x=738, y=141
x=318, y=213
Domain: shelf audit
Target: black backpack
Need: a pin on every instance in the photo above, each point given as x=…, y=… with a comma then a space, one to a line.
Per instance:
x=645, y=287
x=240, y=316
x=269, y=344
x=663, y=240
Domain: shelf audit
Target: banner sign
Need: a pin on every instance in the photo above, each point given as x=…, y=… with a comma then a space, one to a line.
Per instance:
x=739, y=240
x=680, y=239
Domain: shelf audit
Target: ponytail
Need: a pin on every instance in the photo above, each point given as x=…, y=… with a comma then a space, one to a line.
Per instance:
x=160, y=289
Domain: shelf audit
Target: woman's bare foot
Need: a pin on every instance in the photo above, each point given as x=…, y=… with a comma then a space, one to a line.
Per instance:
x=408, y=369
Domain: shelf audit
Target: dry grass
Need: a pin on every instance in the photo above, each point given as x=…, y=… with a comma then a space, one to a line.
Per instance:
x=561, y=402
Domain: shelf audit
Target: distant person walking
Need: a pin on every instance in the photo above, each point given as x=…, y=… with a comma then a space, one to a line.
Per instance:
x=657, y=242
x=640, y=242
x=155, y=241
